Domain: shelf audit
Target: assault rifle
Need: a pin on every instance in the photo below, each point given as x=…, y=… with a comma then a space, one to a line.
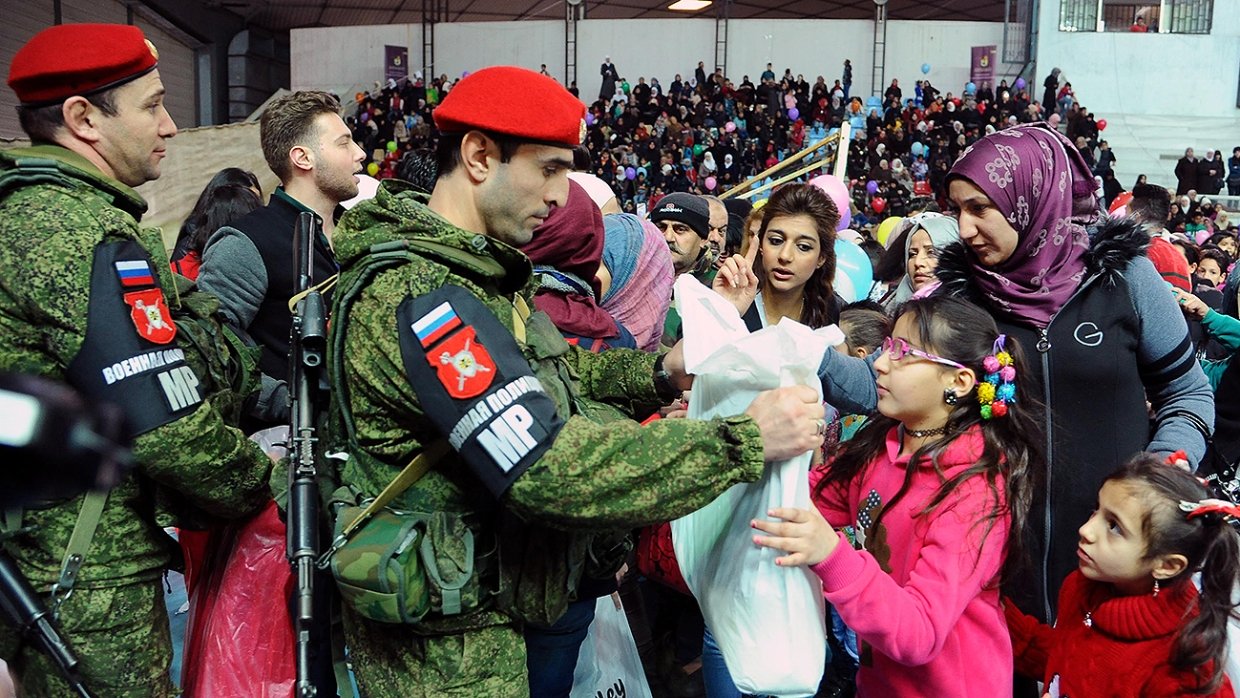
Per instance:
x=309, y=342
x=22, y=609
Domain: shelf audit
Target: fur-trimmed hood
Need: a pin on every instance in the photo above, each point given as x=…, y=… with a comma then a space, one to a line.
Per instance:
x=1113, y=244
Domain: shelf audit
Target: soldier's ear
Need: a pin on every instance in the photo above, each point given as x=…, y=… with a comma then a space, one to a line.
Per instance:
x=81, y=119
x=476, y=151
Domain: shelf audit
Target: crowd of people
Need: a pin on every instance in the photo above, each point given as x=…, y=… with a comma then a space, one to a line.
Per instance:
x=1003, y=447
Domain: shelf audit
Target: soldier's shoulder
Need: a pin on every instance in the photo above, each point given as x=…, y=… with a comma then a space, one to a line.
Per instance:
x=52, y=208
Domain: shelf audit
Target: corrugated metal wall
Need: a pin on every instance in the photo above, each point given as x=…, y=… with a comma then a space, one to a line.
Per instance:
x=25, y=19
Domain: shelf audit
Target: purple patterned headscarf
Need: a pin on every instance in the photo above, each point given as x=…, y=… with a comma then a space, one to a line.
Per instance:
x=1041, y=184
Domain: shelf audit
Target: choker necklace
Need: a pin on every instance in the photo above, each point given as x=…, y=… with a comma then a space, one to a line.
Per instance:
x=923, y=433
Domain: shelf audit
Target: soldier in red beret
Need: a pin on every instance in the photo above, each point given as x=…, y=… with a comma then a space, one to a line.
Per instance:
x=530, y=480
x=88, y=298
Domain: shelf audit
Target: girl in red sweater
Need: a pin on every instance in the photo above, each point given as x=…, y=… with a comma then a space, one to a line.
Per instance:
x=933, y=484
x=1131, y=621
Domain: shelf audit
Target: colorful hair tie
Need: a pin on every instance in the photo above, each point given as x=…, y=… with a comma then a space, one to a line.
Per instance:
x=998, y=388
x=1205, y=507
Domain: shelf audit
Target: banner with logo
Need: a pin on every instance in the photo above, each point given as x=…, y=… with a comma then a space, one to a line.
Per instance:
x=982, y=67
x=395, y=63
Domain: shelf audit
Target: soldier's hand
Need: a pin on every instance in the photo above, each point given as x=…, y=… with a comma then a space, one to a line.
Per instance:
x=792, y=421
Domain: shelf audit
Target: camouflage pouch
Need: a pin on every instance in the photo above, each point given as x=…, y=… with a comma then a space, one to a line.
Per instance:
x=401, y=567
x=378, y=570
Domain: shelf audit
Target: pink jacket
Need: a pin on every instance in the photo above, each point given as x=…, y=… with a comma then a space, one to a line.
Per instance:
x=923, y=596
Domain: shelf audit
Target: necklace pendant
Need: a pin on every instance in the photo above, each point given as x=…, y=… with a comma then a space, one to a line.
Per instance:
x=1089, y=619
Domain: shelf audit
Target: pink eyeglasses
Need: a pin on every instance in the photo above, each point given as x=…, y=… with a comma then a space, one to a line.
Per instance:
x=897, y=349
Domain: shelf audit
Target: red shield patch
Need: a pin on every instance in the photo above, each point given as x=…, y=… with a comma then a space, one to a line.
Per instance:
x=150, y=315
x=463, y=364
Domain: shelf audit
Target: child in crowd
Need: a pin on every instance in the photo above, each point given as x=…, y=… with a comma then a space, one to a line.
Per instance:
x=865, y=326
x=933, y=483
x=1212, y=267
x=1131, y=621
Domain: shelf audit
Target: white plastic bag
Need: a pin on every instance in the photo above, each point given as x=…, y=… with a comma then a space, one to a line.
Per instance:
x=608, y=665
x=769, y=621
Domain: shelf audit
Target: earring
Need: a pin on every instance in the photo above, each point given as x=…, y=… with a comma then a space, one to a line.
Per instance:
x=950, y=396
x=1155, y=587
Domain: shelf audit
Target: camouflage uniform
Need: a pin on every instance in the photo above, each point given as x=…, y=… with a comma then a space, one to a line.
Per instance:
x=114, y=619
x=594, y=478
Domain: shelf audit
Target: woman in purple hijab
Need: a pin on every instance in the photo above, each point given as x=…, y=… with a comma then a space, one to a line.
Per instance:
x=1102, y=329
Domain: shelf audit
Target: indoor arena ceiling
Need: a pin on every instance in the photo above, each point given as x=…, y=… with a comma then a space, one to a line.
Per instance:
x=290, y=14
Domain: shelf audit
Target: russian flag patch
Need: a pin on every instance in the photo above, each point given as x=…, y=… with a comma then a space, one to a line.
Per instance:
x=436, y=324
x=135, y=273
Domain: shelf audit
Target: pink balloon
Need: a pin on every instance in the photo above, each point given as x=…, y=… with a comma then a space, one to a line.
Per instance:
x=729, y=127
x=710, y=183
x=838, y=191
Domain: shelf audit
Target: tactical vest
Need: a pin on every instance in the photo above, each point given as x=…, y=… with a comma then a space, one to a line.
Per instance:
x=552, y=562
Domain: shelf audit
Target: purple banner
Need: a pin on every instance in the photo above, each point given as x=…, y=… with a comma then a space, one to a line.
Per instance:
x=395, y=63
x=982, y=66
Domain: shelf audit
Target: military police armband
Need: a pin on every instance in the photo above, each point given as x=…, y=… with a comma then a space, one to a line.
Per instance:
x=475, y=385
x=129, y=355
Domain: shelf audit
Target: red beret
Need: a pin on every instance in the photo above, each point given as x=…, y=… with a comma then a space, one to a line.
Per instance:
x=79, y=59
x=514, y=102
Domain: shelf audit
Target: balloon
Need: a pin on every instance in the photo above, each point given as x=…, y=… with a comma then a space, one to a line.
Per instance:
x=710, y=183
x=464, y=74
x=589, y=119
x=876, y=102
x=364, y=117
x=1120, y=202
x=759, y=204
x=838, y=191
x=853, y=264
x=1020, y=83
x=970, y=88
x=872, y=187
x=917, y=148
x=925, y=68
x=372, y=169
x=359, y=97
x=1102, y=124
x=630, y=173
x=794, y=114
x=729, y=127
x=843, y=285
x=391, y=146
x=883, y=234
x=879, y=204
x=981, y=107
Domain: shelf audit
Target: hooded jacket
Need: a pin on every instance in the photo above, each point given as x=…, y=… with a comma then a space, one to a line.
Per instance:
x=1117, y=341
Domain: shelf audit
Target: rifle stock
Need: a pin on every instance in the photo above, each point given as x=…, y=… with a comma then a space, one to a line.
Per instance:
x=308, y=345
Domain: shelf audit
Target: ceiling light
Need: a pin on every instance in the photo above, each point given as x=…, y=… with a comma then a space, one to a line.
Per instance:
x=689, y=5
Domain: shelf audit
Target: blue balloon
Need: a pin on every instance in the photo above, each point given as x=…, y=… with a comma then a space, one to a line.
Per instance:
x=874, y=102
x=925, y=68
x=852, y=263
x=918, y=149
x=970, y=89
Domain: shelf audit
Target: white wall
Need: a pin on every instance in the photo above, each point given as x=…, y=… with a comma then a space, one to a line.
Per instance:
x=347, y=59
x=344, y=58
x=1126, y=73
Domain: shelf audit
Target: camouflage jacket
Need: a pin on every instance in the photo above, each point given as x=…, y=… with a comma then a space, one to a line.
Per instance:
x=600, y=474
x=49, y=231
